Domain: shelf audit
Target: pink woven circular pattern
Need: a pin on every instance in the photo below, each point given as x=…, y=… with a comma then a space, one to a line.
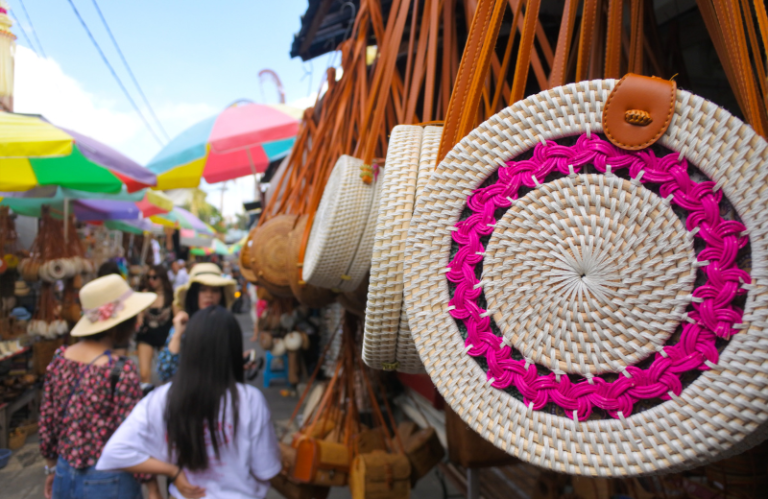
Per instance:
x=713, y=315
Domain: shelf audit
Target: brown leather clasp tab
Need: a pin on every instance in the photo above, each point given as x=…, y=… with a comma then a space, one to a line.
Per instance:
x=638, y=111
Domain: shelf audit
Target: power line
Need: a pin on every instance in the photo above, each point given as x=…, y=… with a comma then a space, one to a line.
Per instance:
x=24, y=33
x=32, y=26
x=112, y=70
x=130, y=72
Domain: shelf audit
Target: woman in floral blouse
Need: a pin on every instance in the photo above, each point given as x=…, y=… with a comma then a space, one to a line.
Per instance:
x=88, y=392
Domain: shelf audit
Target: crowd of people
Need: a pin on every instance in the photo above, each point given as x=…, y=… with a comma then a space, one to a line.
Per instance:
x=105, y=429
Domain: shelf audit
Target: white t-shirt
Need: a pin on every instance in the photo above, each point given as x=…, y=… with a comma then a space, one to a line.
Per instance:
x=156, y=258
x=242, y=470
x=182, y=277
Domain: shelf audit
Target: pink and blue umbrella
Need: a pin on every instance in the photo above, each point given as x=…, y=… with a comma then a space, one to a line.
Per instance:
x=241, y=140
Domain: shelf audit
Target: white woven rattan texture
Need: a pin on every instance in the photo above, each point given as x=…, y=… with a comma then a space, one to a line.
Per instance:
x=721, y=413
x=408, y=359
x=385, y=288
x=362, y=260
x=589, y=274
x=338, y=225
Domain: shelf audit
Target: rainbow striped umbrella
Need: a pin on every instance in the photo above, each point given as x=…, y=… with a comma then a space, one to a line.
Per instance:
x=241, y=140
x=36, y=153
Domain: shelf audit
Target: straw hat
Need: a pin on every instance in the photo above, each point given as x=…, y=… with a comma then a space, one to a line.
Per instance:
x=207, y=274
x=20, y=288
x=108, y=301
x=551, y=283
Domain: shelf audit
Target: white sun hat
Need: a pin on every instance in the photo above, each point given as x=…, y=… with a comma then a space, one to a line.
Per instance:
x=108, y=301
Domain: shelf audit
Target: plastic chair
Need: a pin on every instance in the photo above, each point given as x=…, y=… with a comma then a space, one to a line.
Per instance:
x=270, y=374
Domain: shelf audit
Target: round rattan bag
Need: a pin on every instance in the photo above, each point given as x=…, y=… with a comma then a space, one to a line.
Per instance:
x=411, y=156
x=338, y=228
x=268, y=260
x=586, y=279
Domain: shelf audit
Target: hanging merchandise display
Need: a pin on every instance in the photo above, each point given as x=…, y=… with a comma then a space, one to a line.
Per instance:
x=269, y=255
x=332, y=447
x=602, y=279
x=341, y=235
x=411, y=157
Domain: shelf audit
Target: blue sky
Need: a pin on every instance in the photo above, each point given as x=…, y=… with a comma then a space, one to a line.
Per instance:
x=191, y=58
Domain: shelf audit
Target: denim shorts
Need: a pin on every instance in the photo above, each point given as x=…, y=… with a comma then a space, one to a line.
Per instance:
x=88, y=483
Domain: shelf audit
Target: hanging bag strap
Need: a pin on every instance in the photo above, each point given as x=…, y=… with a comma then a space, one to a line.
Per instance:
x=483, y=30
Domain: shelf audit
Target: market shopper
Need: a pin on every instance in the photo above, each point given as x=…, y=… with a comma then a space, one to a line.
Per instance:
x=180, y=275
x=89, y=391
x=210, y=433
x=206, y=287
x=156, y=321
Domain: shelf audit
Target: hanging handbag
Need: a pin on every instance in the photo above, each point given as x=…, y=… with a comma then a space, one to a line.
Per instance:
x=321, y=462
x=379, y=475
x=585, y=166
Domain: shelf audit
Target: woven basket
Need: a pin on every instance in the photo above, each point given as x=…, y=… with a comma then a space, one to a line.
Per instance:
x=384, y=317
x=270, y=253
x=573, y=363
x=269, y=248
x=338, y=228
x=245, y=258
x=306, y=294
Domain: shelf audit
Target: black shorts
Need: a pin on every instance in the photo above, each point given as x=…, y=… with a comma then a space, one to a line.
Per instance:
x=154, y=337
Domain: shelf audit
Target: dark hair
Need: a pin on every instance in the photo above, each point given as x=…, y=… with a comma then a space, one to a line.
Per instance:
x=160, y=271
x=109, y=267
x=191, y=303
x=211, y=365
x=121, y=333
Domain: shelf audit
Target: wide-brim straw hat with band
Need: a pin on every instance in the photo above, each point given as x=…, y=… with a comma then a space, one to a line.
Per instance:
x=339, y=248
x=207, y=274
x=411, y=156
x=106, y=302
x=591, y=304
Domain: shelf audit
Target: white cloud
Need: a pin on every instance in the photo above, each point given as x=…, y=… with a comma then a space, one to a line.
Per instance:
x=42, y=87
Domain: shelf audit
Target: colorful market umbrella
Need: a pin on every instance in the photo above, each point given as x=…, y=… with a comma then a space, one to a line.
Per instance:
x=219, y=247
x=241, y=140
x=181, y=218
x=88, y=206
x=216, y=247
x=154, y=203
x=200, y=251
x=192, y=238
x=139, y=226
x=36, y=153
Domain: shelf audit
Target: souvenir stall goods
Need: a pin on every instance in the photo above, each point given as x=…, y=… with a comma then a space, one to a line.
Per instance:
x=47, y=321
x=55, y=255
x=269, y=255
x=596, y=241
x=339, y=229
x=410, y=160
x=305, y=293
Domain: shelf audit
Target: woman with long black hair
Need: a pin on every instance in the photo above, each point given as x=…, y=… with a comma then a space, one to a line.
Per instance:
x=210, y=433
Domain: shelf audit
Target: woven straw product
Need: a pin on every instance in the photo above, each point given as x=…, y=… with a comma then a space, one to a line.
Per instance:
x=269, y=254
x=385, y=289
x=361, y=263
x=338, y=226
x=592, y=310
x=407, y=355
x=306, y=294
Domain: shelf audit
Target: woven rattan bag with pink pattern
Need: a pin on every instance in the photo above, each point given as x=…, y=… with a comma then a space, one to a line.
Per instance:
x=593, y=300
